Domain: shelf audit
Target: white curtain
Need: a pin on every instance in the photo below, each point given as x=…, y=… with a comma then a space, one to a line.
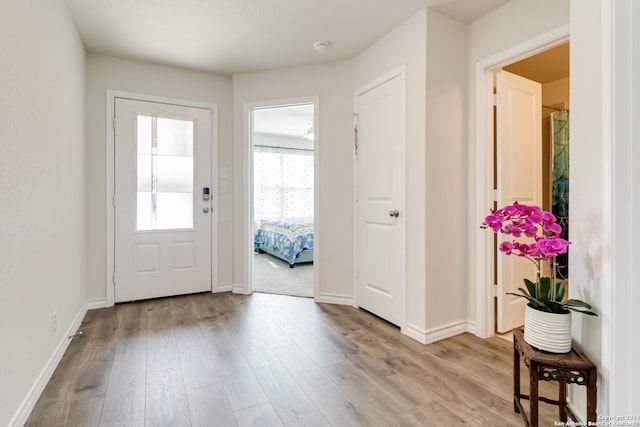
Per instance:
x=283, y=183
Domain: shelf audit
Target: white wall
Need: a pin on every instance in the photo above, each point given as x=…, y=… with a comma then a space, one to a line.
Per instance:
x=106, y=72
x=587, y=199
x=630, y=298
x=516, y=22
x=605, y=102
x=433, y=49
x=42, y=194
x=513, y=23
x=603, y=186
x=446, y=175
x=332, y=84
x=407, y=45
x=556, y=92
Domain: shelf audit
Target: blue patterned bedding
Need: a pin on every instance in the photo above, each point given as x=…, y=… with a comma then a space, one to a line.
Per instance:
x=287, y=237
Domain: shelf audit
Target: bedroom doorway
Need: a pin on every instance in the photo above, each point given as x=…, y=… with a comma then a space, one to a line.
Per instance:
x=282, y=196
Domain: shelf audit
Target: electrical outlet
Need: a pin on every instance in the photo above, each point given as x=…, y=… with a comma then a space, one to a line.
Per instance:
x=54, y=322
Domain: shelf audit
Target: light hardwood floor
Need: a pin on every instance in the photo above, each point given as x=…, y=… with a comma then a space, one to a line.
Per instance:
x=270, y=360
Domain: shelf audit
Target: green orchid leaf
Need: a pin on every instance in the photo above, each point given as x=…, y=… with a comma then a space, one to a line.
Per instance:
x=587, y=312
x=530, y=286
x=579, y=307
x=532, y=301
x=545, y=286
x=576, y=303
x=555, y=307
x=559, y=291
x=555, y=304
x=524, y=293
x=541, y=307
x=537, y=304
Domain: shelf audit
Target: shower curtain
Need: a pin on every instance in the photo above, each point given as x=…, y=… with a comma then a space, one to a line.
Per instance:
x=560, y=185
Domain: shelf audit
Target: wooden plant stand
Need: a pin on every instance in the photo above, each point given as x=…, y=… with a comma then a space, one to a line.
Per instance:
x=569, y=368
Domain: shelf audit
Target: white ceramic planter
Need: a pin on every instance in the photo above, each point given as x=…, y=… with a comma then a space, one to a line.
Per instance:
x=547, y=331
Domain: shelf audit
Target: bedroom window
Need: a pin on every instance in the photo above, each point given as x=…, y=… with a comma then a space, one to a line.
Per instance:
x=283, y=183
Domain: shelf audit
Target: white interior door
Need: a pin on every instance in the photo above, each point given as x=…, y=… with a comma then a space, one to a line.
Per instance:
x=519, y=175
x=380, y=200
x=163, y=201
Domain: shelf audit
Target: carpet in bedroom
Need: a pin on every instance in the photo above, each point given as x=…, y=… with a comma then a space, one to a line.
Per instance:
x=273, y=275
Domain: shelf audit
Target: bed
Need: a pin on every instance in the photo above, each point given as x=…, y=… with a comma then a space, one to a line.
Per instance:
x=291, y=240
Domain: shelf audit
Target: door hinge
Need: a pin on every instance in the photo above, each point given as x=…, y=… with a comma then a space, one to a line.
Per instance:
x=113, y=278
x=495, y=194
x=496, y=99
x=357, y=196
x=113, y=201
x=494, y=290
x=357, y=274
x=114, y=123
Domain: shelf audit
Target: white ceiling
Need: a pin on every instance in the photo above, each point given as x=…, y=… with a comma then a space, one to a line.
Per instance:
x=294, y=121
x=234, y=36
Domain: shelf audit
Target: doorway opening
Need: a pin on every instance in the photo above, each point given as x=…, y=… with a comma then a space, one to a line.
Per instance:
x=282, y=198
x=547, y=169
x=533, y=60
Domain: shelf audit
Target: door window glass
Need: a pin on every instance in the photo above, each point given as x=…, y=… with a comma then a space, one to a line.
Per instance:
x=164, y=173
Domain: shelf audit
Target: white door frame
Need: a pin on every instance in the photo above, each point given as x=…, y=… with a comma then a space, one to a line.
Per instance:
x=484, y=165
x=248, y=220
x=110, y=155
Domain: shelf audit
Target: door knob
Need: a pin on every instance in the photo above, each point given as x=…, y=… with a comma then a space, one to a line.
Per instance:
x=205, y=210
x=394, y=213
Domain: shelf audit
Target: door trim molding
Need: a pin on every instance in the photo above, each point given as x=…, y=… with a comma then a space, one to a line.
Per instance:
x=247, y=214
x=396, y=72
x=482, y=187
x=621, y=59
x=110, y=184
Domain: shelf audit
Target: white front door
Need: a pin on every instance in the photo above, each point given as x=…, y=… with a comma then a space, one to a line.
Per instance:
x=163, y=215
x=519, y=175
x=380, y=200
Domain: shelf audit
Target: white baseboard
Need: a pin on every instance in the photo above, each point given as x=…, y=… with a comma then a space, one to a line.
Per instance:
x=340, y=299
x=429, y=336
x=238, y=289
x=471, y=327
x=576, y=401
x=224, y=287
x=96, y=303
x=415, y=333
x=30, y=400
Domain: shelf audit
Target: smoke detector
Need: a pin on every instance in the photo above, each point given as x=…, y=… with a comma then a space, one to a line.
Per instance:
x=321, y=46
